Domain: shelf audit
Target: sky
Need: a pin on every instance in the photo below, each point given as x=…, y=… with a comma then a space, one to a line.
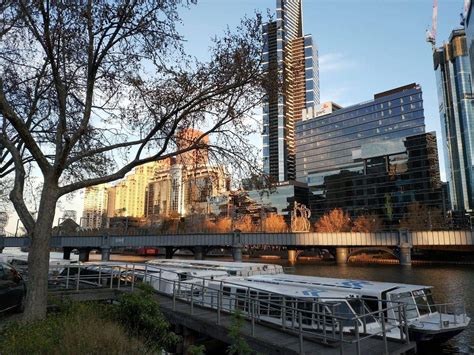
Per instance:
x=365, y=47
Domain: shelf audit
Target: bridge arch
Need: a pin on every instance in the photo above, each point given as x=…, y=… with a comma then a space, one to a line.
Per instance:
x=355, y=251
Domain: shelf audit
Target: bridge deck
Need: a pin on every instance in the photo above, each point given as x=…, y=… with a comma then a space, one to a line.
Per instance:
x=266, y=340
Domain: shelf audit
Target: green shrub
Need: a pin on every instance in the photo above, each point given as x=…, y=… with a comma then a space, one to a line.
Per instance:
x=239, y=346
x=139, y=313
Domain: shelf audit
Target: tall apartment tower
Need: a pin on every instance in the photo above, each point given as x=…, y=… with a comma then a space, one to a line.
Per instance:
x=291, y=60
x=456, y=107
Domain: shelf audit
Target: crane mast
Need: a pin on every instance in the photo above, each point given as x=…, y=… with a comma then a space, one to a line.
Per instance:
x=431, y=34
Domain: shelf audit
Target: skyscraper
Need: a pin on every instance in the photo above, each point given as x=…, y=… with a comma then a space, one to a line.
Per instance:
x=291, y=60
x=456, y=100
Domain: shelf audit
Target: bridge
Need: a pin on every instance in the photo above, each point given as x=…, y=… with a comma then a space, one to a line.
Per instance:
x=194, y=308
x=400, y=243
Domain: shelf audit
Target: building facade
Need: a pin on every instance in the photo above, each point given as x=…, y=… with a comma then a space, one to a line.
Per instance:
x=291, y=60
x=94, y=214
x=370, y=158
x=180, y=190
x=127, y=198
x=456, y=107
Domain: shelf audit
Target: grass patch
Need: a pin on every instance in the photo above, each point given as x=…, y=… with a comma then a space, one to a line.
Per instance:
x=133, y=326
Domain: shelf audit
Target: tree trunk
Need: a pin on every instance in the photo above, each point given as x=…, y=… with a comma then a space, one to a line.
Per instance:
x=38, y=258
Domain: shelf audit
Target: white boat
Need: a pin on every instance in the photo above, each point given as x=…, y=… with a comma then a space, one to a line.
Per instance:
x=232, y=268
x=427, y=321
x=323, y=310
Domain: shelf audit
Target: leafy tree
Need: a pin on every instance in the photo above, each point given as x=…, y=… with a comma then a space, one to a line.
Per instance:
x=274, y=223
x=334, y=221
x=91, y=89
x=367, y=223
x=420, y=217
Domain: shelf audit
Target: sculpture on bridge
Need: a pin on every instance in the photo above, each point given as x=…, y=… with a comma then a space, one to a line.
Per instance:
x=300, y=218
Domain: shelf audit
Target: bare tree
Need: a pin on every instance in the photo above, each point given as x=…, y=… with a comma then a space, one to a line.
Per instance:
x=91, y=89
x=420, y=217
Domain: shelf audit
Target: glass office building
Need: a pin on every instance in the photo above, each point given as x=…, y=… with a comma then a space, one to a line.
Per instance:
x=373, y=157
x=455, y=96
x=291, y=61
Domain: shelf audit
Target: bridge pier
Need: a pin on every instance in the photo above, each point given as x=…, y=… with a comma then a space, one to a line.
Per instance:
x=105, y=254
x=84, y=254
x=199, y=253
x=292, y=256
x=405, y=254
x=237, y=253
x=67, y=253
x=342, y=254
x=169, y=252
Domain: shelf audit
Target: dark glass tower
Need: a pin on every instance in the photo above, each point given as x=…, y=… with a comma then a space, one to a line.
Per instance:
x=456, y=107
x=291, y=60
x=374, y=157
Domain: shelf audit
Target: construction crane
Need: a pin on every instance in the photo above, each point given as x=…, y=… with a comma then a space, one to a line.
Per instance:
x=431, y=34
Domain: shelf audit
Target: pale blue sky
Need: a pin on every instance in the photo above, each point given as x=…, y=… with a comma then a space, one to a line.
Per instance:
x=365, y=46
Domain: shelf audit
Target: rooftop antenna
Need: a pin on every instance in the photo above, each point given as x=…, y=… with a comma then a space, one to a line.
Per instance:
x=431, y=34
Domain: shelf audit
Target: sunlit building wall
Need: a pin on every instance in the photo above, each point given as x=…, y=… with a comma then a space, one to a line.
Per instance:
x=291, y=61
x=94, y=214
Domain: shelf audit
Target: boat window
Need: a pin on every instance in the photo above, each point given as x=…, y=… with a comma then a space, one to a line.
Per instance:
x=359, y=307
x=290, y=305
x=342, y=312
x=371, y=302
x=422, y=302
x=430, y=299
x=307, y=316
x=226, y=291
x=407, y=298
x=182, y=276
x=263, y=306
x=241, y=299
x=275, y=305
